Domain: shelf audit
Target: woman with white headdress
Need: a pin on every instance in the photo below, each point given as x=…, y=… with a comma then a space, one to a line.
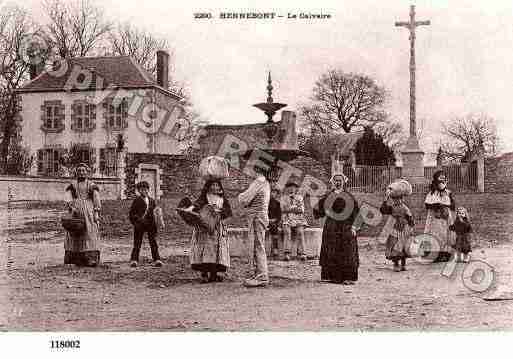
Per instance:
x=439, y=204
x=81, y=248
x=339, y=258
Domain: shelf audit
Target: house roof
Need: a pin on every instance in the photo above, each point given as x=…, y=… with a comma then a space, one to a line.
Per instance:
x=107, y=71
x=507, y=157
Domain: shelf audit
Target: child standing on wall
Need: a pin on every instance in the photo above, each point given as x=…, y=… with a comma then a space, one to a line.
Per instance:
x=463, y=229
x=293, y=217
x=398, y=240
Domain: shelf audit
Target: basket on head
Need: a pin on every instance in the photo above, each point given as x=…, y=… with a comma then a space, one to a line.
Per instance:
x=214, y=168
x=400, y=188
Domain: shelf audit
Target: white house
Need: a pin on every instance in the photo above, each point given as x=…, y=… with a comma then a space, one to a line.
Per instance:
x=98, y=103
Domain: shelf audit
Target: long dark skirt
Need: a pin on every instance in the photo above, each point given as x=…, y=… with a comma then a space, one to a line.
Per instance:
x=82, y=259
x=339, y=253
x=339, y=274
x=463, y=243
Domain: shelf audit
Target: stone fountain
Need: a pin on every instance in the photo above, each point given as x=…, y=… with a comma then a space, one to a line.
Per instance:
x=281, y=136
x=282, y=145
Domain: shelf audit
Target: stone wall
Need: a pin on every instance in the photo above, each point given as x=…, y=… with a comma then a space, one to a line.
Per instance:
x=178, y=173
x=498, y=175
x=18, y=188
x=491, y=216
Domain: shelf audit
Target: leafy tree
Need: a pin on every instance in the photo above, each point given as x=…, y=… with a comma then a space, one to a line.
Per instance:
x=371, y=150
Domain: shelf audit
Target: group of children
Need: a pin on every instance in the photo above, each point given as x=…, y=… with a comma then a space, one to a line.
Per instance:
x=398, y=241
x=287, y=215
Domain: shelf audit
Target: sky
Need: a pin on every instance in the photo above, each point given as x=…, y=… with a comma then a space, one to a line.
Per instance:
x=464, y=58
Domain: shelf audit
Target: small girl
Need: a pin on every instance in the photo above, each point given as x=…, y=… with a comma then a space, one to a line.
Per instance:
x=463, y=229
x=397, y=241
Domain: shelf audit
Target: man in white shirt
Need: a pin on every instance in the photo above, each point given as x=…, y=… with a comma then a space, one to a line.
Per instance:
x=256, y=202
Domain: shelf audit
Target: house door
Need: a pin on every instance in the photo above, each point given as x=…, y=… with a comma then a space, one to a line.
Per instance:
x=150, y=176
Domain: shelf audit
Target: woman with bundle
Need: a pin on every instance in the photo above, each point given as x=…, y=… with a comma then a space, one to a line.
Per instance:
x=209, y=249
x=398, y=240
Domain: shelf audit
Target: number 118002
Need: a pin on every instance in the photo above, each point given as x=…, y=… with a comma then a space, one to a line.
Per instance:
x=65, y=344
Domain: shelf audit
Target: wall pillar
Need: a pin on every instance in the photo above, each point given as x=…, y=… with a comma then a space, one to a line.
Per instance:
x=121, y=174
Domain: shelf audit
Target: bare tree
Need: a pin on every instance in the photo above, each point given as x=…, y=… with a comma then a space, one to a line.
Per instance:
x=471, y=133
x=342, y=101
x=142, y=46
x=17, y=29
x=75, y=28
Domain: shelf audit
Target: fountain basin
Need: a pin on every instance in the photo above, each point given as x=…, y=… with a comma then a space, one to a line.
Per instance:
x=240, y=245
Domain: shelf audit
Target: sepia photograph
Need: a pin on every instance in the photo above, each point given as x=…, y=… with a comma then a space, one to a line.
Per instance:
x=336, y=167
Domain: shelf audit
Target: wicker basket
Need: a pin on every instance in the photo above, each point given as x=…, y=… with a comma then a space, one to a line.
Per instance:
x=75, y=226
x=207, y=219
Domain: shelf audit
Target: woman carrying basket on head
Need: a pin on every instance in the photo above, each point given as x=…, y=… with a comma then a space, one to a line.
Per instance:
x=397, y=245
x=210, y=253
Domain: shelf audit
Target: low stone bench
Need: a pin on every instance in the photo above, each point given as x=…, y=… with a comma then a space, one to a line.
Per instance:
x=241, y=247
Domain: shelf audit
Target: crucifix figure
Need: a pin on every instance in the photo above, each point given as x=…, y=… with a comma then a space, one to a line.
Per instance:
x=411, y=26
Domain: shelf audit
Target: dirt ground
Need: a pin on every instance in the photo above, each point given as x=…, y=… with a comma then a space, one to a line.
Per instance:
x=39, y=293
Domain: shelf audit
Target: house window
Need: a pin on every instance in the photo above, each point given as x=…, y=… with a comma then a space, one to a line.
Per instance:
x=116, y=114
x=82, y=153
x=49, y=161
x=83, y=116
x=52, y=116
x=108, y=162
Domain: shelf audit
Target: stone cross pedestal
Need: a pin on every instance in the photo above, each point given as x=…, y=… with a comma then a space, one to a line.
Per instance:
x=413, y=161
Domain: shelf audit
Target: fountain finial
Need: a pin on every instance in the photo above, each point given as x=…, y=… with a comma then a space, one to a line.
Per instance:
x=269, y=107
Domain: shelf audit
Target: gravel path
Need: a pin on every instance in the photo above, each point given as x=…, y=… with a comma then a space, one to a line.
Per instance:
x=38, y=293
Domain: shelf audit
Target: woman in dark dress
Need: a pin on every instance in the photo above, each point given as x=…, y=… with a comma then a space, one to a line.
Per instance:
x=339, y=249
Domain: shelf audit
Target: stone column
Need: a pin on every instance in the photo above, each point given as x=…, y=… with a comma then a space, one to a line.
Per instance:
x=121, y=174
x=33, y=166
x=97, y=163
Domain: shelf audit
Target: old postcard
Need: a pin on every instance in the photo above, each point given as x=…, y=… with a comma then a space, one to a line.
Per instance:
x=185, y=167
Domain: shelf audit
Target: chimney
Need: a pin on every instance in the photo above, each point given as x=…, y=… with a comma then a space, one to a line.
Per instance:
x=36, y=69
x=163, y=69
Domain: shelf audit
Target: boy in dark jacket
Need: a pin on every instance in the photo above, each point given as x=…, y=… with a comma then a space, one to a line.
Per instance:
x=142, y=218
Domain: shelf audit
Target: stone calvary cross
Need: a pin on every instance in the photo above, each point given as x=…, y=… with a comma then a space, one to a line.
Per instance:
x=411, y=26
